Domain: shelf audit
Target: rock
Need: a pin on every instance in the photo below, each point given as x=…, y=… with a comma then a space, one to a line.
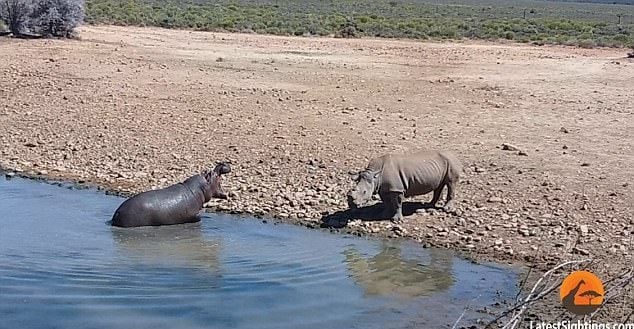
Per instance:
x=9, y=175
x=509, y=147
x=399, y=230
x=522, y=153
x=577, y=250
x=583, y=229
x=494, y=199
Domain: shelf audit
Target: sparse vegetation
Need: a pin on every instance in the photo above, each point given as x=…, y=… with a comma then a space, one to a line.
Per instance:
x=56, y=17
x=41, y=18
x=579, y=24
x=15, y=13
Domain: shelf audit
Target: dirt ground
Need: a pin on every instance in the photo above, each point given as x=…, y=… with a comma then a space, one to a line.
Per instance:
x=137, y=108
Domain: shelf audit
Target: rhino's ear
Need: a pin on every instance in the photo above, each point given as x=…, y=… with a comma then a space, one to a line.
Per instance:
x=375, y=175
x=354, y=175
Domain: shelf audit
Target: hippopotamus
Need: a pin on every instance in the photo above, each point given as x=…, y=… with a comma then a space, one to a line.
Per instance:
x=176, y=204
x=397, y=176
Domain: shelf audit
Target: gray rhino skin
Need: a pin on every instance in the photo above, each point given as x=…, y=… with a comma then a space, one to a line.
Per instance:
x=397, y=176
x=176, y=204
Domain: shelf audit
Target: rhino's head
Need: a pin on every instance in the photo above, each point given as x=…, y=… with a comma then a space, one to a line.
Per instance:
x=213, y=178
x=366, y=184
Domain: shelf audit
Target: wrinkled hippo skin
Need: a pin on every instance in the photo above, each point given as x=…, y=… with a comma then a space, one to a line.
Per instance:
x=176, y=204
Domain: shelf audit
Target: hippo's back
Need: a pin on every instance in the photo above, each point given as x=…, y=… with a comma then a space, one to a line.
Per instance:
x=171, y=205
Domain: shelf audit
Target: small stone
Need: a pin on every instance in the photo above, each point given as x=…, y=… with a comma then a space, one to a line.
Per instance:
x=580, y=251
x=583, y=229
x=522, y=153
x=9, y=175
x=509, y=147
x=494, y=199
x=564, y=130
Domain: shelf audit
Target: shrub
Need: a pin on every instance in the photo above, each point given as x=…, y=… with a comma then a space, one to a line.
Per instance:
x=587, y=43
x=56, y=17
x=15, y=13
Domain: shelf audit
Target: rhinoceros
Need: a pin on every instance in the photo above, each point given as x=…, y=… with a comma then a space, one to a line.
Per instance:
x=397, y=176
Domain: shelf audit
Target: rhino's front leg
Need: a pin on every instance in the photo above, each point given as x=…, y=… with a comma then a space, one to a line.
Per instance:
x=436, y=197
x=393, y=206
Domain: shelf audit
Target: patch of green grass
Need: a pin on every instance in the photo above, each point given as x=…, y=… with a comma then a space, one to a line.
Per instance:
x=583, y=25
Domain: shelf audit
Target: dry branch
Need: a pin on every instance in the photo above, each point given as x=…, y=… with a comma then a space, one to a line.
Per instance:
x=544, y=286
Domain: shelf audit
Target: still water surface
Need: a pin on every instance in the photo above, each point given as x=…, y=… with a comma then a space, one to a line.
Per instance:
x=63, y=266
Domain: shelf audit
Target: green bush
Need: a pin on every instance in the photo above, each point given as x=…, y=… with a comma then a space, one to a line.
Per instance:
x=557, y=24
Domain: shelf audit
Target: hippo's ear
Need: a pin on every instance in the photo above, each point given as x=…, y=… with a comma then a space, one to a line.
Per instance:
x=222, y=168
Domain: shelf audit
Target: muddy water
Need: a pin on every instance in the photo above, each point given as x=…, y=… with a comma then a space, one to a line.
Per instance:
x=63, y=266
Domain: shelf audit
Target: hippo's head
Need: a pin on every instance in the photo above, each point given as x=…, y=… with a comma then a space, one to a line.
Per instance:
x=213, y=188
x=366, y=184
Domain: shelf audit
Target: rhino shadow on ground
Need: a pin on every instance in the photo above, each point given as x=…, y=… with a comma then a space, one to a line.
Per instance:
x=373, y=212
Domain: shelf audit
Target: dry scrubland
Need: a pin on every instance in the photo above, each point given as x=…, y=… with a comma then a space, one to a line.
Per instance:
x=135, y=108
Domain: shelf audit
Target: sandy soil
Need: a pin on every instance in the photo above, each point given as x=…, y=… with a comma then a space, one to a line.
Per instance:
x=138, y=108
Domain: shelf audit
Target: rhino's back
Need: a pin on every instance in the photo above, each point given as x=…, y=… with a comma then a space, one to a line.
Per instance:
x=415, y=173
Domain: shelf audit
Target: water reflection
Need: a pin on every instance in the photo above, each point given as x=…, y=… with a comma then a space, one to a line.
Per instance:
x=390, y=273
x=171, y=246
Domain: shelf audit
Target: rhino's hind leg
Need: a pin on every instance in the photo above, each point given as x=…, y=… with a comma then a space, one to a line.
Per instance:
x=393, y=206
x=449, y=205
